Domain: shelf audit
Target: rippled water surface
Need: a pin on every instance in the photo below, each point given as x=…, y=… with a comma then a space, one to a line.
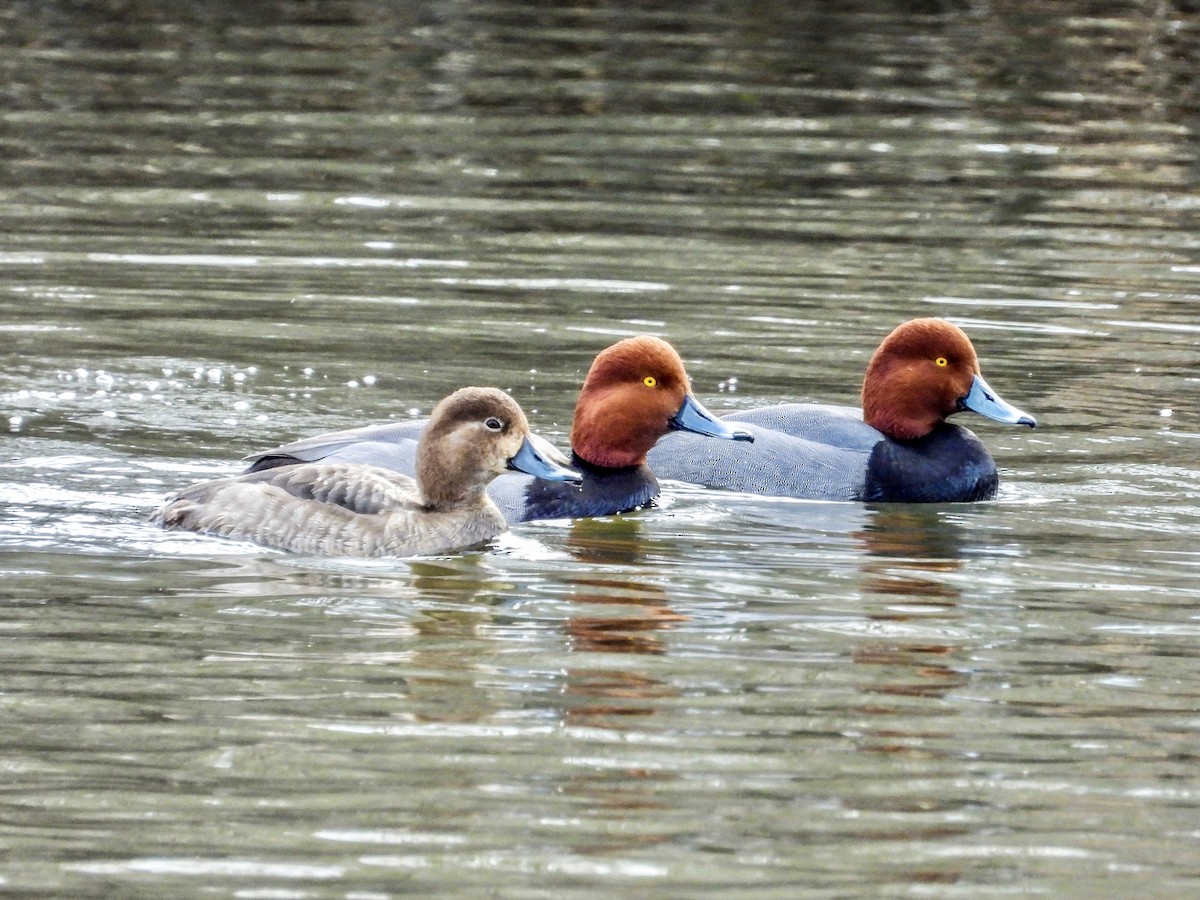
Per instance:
x=226, y=226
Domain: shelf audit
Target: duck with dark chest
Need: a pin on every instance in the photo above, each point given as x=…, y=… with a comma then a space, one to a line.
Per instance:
x=899, y=448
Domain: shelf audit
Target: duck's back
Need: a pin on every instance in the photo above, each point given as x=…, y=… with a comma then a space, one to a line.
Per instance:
x=389, y=445
x=328, y=508
x=841, y=427
x=822, y=452
x=776, y=464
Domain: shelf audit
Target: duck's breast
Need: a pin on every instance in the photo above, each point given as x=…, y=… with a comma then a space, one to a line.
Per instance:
x=950, y=464
x=603, y=492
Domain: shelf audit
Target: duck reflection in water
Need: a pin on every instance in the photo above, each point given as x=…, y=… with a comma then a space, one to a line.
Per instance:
x=459, y=634
x=635, y=614
x=620, y=613
x=448, y=679
x=907, y=549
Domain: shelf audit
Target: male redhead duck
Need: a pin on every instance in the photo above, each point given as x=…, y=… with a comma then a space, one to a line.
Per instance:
x=635, y=392
x=899, y=449
x=353, y=509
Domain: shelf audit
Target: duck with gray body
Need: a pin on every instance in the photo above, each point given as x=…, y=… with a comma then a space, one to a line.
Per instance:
x=897, y=448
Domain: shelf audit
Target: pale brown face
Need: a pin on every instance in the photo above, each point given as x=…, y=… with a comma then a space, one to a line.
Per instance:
x=917, y=377
x=469, y=440
x=631, y=392
x=474, y=435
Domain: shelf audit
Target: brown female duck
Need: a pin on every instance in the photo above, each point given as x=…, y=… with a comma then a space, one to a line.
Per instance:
x=354, y=509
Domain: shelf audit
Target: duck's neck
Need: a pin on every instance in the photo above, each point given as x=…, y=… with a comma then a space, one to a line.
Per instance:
x=440, y=492
x=587, y=467
x=889, y=408
x=899, y=425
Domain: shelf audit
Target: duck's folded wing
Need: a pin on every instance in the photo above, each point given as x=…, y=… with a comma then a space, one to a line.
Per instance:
x=359, y=488
x=391, y=445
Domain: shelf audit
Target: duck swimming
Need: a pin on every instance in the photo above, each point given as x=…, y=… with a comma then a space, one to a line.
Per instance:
x=635, y=392
x=900, y=448
x=353, y=509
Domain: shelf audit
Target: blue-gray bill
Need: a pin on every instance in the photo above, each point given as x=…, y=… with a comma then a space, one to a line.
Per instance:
x=533, y=460
x=983, y=400
x=692, y=416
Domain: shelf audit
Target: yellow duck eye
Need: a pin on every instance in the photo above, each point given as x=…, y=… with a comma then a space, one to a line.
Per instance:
x=650, y=381
x=941, y=362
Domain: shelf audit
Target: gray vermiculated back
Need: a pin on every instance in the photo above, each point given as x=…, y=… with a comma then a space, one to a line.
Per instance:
x=389, y=445
x=775, y=463
x=834, y=426
x=508, y=493
x=392, y=445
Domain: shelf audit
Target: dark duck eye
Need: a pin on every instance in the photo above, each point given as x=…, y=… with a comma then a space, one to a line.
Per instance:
x=494, y=424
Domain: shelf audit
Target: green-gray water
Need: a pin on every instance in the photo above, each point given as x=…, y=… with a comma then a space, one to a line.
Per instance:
x=228, y=225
